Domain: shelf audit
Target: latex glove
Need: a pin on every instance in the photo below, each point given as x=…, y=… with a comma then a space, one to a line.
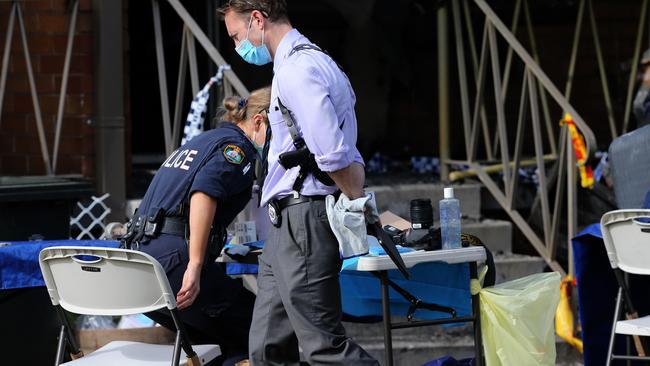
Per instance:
x=348, y=222
x=370, y=209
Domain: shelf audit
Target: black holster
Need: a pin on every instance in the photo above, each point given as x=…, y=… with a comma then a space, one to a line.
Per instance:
x=307, y=161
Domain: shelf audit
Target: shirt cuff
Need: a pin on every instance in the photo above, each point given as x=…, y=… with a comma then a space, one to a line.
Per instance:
x=335, y=160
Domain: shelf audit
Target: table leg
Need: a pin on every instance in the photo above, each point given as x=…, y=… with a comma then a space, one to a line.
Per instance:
x=385, y=304
x=476, y=310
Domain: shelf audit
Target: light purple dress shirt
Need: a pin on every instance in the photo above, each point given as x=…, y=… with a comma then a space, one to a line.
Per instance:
x=321, y=101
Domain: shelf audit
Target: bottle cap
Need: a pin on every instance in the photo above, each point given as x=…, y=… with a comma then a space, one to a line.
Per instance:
x=448, y=192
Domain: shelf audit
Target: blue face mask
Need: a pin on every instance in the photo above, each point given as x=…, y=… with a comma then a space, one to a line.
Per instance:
x=259, y=55
x=260, y=149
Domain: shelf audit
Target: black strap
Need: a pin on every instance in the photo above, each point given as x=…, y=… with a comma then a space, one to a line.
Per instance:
x=307, y=46
x=263, y=165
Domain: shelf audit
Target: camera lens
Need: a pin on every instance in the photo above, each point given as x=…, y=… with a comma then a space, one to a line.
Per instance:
x=421, y=213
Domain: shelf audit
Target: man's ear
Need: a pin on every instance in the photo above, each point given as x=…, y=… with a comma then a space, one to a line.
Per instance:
x=258, y=18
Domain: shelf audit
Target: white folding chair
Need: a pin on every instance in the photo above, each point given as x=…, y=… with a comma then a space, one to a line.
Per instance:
x=627, y=240
x=111, y=281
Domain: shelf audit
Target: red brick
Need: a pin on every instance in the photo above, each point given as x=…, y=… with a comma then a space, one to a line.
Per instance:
x=85, y=5
x=48, y=120
x=84, y=22
x=17, y=63
x=7, y=104
x=52, y=23
x=14, y=124
x=81, y=64
x=6, y=144
x=5, y=7
x=14, y=165
x=77, y=84
x=31, y=22
x=83, y=43
x=88, y=143
x=40, y=44
x=69, y=164
x=27, y=145
x=17, y=83
x=45, y=84
x=88, y=166
x=60, y=5
x=38, y=5
x=52, y=64
x=71, y=146
x=80, y=104
x=23, y=103
x=73, y=126
x=36, y=165
x=49, y=104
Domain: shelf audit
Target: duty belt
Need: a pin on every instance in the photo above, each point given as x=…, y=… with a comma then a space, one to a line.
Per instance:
x=276, y=206
x=139, y=227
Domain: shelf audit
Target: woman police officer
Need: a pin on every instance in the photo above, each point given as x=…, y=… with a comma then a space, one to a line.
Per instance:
x=195, y=194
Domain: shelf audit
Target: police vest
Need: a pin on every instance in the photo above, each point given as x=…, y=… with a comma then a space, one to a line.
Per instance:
x=225, y=148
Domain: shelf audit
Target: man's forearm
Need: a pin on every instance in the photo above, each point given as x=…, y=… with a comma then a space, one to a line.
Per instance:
x=350, y=180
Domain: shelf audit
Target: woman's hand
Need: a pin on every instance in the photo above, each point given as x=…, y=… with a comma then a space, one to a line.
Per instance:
x=191, y=286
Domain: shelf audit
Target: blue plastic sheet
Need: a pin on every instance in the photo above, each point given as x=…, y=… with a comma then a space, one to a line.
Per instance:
x=19, y=260
x=439, y=283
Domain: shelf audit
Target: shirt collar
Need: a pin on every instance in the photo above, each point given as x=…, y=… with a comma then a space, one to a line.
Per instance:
x=284, y=48
x=233, y=126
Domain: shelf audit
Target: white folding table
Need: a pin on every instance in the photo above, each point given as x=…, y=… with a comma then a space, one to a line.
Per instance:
x=380, y=266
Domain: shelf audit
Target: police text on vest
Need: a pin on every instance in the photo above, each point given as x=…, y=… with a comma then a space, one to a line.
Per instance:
x=180, y=159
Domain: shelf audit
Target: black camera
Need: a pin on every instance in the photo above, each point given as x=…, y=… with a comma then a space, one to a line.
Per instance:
x=421, y=235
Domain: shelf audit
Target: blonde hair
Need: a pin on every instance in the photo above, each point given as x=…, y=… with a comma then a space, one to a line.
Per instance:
x=238, y=109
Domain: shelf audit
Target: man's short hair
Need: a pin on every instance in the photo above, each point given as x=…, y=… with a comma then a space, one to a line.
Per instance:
x=274, y=10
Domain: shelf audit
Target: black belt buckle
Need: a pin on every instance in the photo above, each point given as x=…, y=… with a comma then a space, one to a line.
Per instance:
x=274, y=214
x=151, y=228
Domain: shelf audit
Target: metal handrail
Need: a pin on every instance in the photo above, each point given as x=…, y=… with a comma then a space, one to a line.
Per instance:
x=535, y=86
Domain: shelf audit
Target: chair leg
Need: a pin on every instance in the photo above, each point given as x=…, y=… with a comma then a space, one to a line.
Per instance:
x=177, y=349
x=617, y=311
x=60, y=350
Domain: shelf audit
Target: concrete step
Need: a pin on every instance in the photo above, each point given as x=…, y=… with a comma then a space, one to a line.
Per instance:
x=495, y=234
x=512, y=266
x=413, y=347
x=397, y=198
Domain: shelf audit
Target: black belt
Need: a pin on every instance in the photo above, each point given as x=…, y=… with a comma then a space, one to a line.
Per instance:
x=168, y=225
x=276, y=206
x=287, y=201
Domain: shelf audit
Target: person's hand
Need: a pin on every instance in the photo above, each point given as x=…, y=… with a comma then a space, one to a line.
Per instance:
x=370, y=209
x=190, y=288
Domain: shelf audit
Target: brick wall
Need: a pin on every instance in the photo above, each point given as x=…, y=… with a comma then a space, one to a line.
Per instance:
x=46, y=23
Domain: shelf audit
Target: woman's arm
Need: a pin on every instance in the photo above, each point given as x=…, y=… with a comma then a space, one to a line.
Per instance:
x=202, y=210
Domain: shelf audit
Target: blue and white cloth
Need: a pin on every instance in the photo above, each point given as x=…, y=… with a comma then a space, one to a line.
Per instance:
x=194, y=124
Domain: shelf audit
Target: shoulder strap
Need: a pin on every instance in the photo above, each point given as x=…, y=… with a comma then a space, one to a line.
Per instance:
x=307, y=46
x=298, y=141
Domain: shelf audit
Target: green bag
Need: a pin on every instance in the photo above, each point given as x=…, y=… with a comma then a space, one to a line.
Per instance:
x=517, y=320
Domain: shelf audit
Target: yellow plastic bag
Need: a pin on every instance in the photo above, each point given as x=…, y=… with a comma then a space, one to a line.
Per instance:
x=517, y=320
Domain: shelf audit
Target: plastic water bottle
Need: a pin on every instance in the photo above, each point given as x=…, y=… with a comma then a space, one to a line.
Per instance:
x=450, y=220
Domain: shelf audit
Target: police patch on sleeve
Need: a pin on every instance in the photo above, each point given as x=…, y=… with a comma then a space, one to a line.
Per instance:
x=234, y=154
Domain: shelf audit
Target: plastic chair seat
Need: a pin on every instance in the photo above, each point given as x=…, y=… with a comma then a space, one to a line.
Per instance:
x=142, y=354
x=640, y=326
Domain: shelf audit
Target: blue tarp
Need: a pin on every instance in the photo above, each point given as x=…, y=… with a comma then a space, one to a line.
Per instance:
x=439, y=283
x=19, y=260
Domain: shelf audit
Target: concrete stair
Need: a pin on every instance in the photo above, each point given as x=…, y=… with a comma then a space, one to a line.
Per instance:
x=417, y=346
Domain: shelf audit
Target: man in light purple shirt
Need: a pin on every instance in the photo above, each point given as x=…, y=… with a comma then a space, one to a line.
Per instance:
x=298, y=302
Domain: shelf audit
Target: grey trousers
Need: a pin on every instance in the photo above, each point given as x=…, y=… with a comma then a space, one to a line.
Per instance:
x=299, y=300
